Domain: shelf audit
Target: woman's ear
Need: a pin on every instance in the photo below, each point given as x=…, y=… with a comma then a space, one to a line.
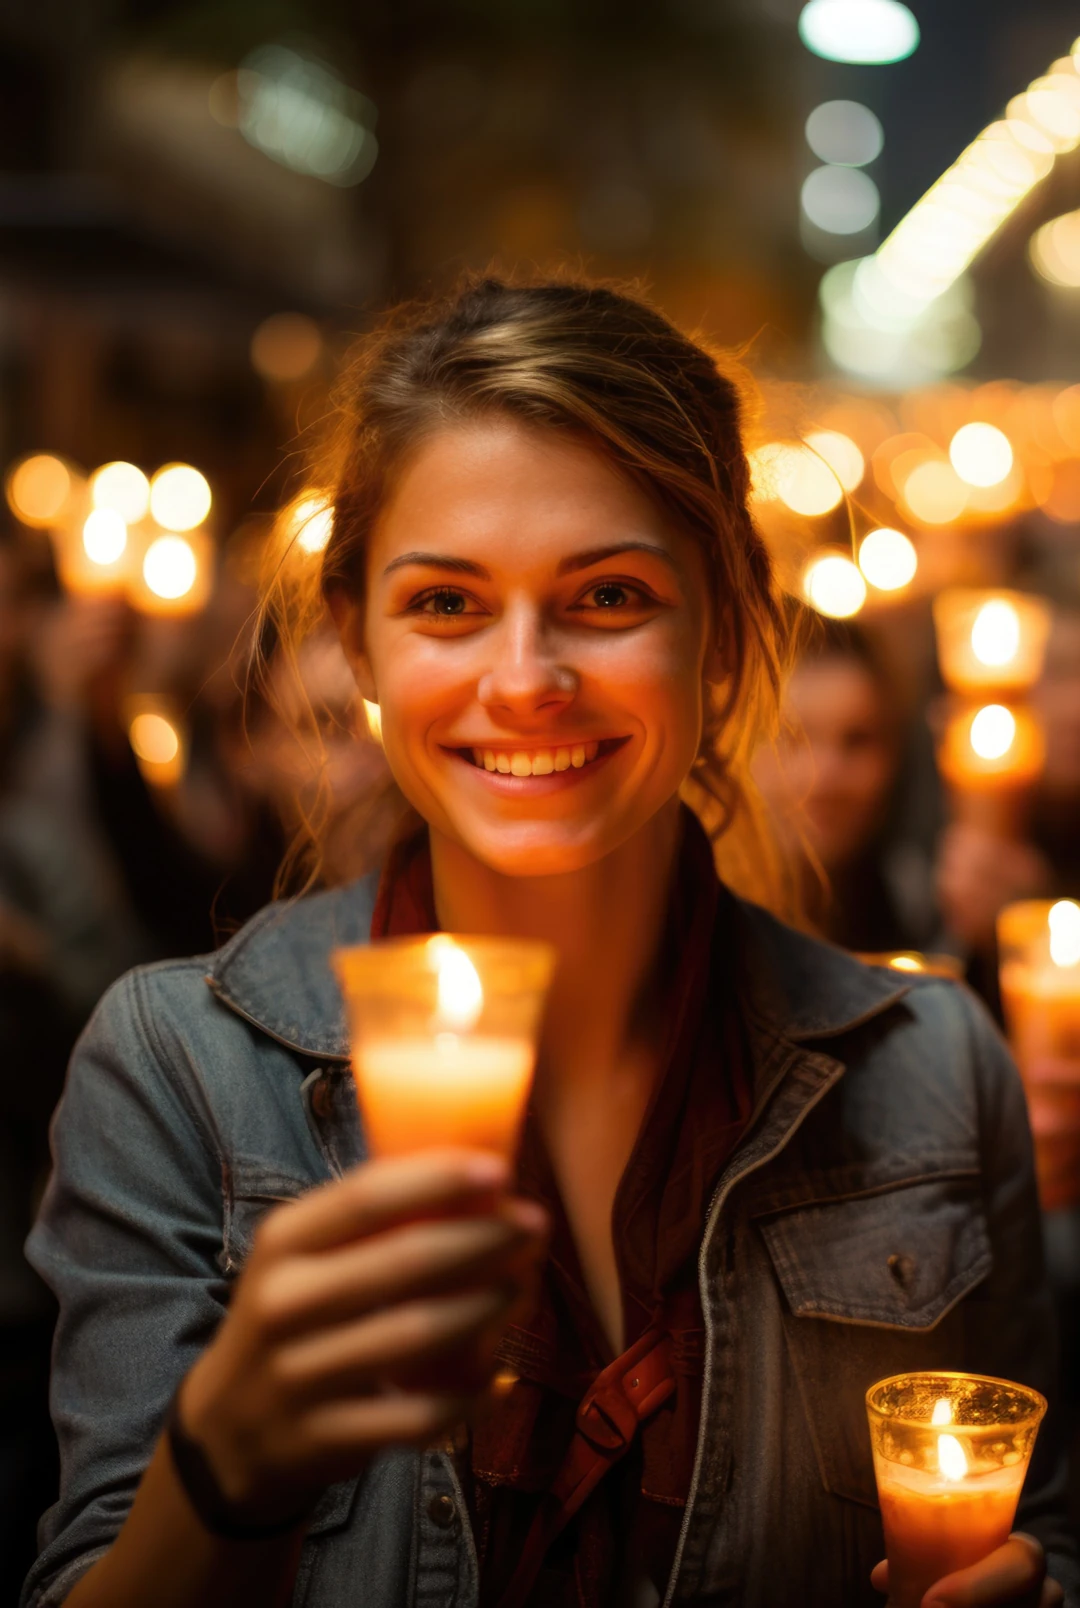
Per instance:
x=347, y=614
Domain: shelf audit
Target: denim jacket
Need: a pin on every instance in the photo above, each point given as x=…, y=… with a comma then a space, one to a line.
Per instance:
x=879, y=1214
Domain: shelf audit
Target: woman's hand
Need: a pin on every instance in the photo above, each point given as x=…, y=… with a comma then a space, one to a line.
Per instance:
x=1012, y=1577
x=367, y=1315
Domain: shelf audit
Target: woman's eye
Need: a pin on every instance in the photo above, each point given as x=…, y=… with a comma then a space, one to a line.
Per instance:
x=446, y=604
x=616, y=595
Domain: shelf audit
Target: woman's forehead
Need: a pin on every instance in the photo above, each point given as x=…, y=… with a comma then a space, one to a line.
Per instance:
x=507, y=493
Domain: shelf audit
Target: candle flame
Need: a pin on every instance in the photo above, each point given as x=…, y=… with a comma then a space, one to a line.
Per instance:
x=951, y=1460
x=1064, y=923
x=942, y=1413
x=461, y=994
x=373, y=716
x=908, y=963
x=995, y=634
x=993, y=731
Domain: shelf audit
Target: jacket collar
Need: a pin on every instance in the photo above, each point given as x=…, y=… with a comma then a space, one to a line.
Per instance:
x=276, y=973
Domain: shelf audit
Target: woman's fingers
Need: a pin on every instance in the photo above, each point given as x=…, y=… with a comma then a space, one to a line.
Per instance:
x=378, y=1195
x=1011, y=1577
x=298, y=1293
x=353, y=1358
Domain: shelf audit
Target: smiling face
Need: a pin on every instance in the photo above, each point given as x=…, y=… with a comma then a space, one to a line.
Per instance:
x=535, y=631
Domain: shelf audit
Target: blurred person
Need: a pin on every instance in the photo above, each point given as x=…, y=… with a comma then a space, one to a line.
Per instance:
x=62, y=941
x=272, y=1367
x=830, y=783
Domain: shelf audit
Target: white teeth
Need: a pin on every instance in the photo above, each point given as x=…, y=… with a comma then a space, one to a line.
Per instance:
x=540, y=763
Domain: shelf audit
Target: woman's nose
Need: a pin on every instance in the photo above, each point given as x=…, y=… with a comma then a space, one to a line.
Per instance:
x=524, y=676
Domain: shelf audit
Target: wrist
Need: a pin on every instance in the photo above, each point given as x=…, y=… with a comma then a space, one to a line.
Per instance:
x=222, y=1505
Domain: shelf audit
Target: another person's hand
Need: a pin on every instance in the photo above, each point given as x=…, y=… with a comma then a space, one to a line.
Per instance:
x=1053, y=1096
x=82, y=650
x=978, y=873
x=1012, y=1577
x=366, y=1316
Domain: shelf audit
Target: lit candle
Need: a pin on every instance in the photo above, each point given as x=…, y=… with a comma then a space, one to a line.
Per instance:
x=174, y=573
x=443, y=1037
x=951, y=1452
x=990, y=641
x=1039, y=945
x=990, y=758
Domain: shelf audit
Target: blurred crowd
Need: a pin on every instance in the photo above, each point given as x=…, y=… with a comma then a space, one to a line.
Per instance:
x=106, y=861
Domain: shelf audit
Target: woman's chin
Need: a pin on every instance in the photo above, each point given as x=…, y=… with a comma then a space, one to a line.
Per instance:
x=536, y=851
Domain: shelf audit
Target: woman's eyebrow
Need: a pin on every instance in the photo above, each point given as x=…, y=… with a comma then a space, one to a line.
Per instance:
x=443, y=561
x=599, y=555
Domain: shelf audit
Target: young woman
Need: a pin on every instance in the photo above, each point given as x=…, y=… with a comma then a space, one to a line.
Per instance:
x=756, y=1176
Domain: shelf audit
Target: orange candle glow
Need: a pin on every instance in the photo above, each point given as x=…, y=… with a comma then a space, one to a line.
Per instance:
x=444, y=1039
x=1039, y=944
x=990, y=759
x=990, y=641
x=910, y=961
x=950, y=1454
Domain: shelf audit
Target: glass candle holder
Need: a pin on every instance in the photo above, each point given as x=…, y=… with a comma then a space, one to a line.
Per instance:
x=990, y=641
x=951, y=1452
x=443, y=1036
x=1039, y=948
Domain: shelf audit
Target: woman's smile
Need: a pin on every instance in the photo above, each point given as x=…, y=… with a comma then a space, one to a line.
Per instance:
x=536, y=769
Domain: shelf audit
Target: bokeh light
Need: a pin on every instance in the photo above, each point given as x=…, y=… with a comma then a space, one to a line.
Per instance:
x=844, y=132
x=309, y=521
x=1055, y=251
x=123, y=488
x=859, y=30
x=801, y=479
x=993, y=731
x=104, y=536
x=38, y=488
x=888, y=559
x=373, y=716
x=934, y=493
x=1063, y=919
x=840, y=200
x=285, y=347
x=179, y=497
x=841, y=454
x=170, y=567
x=833, y=585
x=981, y=454
x=995, y=633
x=154, y=739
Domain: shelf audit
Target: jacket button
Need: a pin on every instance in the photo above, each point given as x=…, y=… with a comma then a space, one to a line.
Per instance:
x=441, y=1511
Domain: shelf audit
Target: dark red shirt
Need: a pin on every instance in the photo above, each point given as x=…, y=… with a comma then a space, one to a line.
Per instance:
x=699, y=1107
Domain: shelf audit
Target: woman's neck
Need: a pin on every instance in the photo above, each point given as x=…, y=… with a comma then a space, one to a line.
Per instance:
x=606, y=922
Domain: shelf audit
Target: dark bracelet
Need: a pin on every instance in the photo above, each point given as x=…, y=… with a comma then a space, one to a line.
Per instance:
x=215, y=1512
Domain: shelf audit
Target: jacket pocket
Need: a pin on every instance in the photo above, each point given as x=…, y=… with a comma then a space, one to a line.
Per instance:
x=871, y=1287
x=251, y=1189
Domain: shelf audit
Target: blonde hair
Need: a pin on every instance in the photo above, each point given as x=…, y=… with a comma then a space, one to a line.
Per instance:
x=663, y=408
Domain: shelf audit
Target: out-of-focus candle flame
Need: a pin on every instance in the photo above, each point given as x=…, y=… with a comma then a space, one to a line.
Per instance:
x=154, y=739
x=104, y=536
x=170, y=568
x=373, y=716
x=951, y=1459
x=995, y=633
x=993, y=731
x=38, y=488
x=179, y=497
x=1064, y=922
x=123, y=488
x=942, y=1413
x=460, y=991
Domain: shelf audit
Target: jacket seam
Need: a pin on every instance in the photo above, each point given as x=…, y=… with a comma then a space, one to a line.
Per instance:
x=211, y=1139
